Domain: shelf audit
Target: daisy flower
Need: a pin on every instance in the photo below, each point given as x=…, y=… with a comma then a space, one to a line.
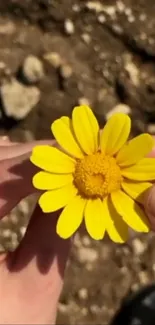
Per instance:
x=98, y=176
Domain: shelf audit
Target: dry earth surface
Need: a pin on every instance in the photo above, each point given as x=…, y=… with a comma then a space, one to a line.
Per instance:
x=55, y=54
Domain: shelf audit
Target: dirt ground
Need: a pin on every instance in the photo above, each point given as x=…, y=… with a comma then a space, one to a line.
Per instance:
x=96, y=52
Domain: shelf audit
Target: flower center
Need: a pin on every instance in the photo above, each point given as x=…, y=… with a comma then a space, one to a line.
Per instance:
x=97, y=175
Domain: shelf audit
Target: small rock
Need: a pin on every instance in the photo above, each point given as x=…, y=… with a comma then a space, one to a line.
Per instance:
x=75, y=7
x=128, y=11
x=22, y=231
x=133, y=72
x=66, y=71
x=117, y=29
x=33, y=70
x=24, y=207
x=14, y=218
x=86, y=38
x=120, y=6
x=142, y=17
x=135, y=287
x=143, y=277
x=87, y=255
x=2, y=65
x=69, y=27
x=95, y=6
x=138, y=246
x=54, y=59
x=83, y=101
x=14, y=239
x=131, y=19
x=151, y=129
x=83, y=293
x=6, y=233
x=120, y=108
x=18, y=100
x=86, y=241
x=62, y=308
x=95, y=309
x=77, y=240
x=7, y=27
x=101, y=19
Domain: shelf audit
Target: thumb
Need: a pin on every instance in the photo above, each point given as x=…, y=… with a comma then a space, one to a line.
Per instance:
x=149, y=206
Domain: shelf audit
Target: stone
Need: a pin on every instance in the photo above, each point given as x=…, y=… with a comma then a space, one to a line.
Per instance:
x=69, y=27
x=143, y=277
x=86, y=241
x=7, y=27
x=95, y=309
x=54, y=59
x=138, y=246
x=120, y=108
x=6, y=233
x=18, y=100
x=33, y=70
x=151, y=128
x=62, y=308
x=66, y=71
x=22, y=231
x=83, y=101
x=83, y=293
x=87, y=255
x=86, y=38
x=101, y=19
x=133, y=71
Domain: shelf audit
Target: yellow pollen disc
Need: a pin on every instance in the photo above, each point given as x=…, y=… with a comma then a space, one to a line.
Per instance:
x=97, y=175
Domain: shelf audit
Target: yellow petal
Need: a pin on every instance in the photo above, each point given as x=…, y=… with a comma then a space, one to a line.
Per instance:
x=54, y=200
x=117, y=229
x=136, y=190
x=115, y=133
x=142, y=171
x=86, y=128
x=135, y=150
x=52, y=160
x=47, y=181
x=95, y=219
x=63, y=133
x=71, y=218
x=130, y=211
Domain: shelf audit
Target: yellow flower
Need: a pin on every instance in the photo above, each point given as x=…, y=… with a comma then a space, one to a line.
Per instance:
x=98, y=176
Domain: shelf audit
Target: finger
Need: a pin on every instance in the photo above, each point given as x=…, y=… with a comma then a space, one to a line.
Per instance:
x=8, y=152
x=149, y=206
x=37, y=268
x=16, y=176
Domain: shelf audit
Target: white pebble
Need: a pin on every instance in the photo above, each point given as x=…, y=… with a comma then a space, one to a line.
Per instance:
x=87, y=255
x=83, y=293
x=53, y=58
x=6, y=233
x=120, y=108
x=101, y=19
x=138, y=246
x=69, y=27
x=33, y=70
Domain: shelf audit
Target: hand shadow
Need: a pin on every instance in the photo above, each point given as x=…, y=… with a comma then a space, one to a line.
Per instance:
x=40, y=241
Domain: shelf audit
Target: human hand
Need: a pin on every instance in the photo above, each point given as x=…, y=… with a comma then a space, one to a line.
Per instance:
x=31, y=278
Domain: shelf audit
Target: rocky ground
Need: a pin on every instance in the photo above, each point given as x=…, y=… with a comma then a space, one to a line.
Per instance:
x=55, y=54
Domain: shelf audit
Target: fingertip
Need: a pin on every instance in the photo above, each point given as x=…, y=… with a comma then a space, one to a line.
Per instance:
x=149, y=205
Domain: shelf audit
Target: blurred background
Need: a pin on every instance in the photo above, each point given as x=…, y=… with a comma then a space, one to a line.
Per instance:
x=55, y=54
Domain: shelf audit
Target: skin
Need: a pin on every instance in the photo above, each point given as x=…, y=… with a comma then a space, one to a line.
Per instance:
x=31, y=278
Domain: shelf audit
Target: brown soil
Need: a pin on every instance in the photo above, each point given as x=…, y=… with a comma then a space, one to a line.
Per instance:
x=111, y=53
